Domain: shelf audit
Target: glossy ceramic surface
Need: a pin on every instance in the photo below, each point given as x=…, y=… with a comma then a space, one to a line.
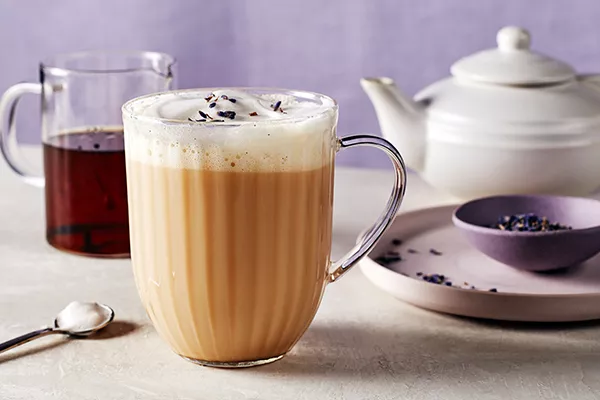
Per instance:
x=533, y=251
x=566, y=295
x=508, y=120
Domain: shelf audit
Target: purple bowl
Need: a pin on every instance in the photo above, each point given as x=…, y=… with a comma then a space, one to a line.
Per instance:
x=533, y=251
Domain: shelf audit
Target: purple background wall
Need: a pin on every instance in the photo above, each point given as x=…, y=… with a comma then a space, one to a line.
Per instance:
x=319, y=45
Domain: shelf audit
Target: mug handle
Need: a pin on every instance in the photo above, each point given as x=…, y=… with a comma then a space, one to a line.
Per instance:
x=8, y=136
x=367, y=242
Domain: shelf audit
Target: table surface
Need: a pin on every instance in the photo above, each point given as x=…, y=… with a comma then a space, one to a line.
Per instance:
x=363, y=344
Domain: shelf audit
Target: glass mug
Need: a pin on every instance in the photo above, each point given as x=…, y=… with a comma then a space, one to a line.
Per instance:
x=82, y=136
x=231, y=220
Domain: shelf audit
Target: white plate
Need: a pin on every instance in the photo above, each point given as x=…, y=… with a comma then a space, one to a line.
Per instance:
x=569, y=295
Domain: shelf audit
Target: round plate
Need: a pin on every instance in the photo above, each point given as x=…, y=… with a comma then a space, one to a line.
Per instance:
x=430, y=244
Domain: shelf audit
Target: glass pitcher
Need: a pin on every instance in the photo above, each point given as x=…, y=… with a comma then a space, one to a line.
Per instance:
x=82, y=136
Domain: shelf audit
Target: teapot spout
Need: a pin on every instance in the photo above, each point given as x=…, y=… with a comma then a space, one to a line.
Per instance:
x=401, y=119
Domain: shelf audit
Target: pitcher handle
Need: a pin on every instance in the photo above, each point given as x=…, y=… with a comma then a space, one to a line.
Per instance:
x=367, y=242
x=8, y=135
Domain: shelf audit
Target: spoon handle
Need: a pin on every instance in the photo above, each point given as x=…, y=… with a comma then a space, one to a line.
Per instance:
x=25, y=338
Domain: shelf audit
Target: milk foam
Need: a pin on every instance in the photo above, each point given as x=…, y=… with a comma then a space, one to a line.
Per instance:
x=169, y=130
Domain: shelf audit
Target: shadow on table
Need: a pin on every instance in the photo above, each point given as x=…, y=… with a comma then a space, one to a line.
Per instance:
x=533, y=326
x=466, y=345
x=115, y=329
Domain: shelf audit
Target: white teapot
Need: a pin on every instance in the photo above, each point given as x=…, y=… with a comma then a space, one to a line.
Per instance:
x=508, y=121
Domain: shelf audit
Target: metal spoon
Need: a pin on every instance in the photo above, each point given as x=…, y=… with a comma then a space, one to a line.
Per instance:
x=107, y=314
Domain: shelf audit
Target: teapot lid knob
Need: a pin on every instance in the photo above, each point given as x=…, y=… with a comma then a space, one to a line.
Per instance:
x=512, y=63
x=512, y=38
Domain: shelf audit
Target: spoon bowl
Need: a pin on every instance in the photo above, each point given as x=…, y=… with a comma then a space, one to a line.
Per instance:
x=108, y=314
x=533, y=251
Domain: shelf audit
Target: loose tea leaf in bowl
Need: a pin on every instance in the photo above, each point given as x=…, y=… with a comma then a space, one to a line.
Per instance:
x=527, y=223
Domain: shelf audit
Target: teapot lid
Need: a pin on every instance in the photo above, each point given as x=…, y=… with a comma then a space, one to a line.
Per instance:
x=512, y=63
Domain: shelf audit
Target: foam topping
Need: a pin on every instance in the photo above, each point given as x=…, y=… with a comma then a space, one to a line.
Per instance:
x=230, y=130
x=228, y=106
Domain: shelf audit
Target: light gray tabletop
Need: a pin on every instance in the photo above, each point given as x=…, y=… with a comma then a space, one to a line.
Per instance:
x=363, y=344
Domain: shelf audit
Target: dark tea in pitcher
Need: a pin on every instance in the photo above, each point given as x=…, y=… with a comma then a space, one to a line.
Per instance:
x=81, y=97
x=86, y=192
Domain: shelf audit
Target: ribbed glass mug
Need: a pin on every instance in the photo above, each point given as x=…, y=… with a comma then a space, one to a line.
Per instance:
x=231, y=223
x=82, y=135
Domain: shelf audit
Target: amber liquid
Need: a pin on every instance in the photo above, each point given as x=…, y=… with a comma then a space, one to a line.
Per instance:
x=230, y=266
x=86, y=193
